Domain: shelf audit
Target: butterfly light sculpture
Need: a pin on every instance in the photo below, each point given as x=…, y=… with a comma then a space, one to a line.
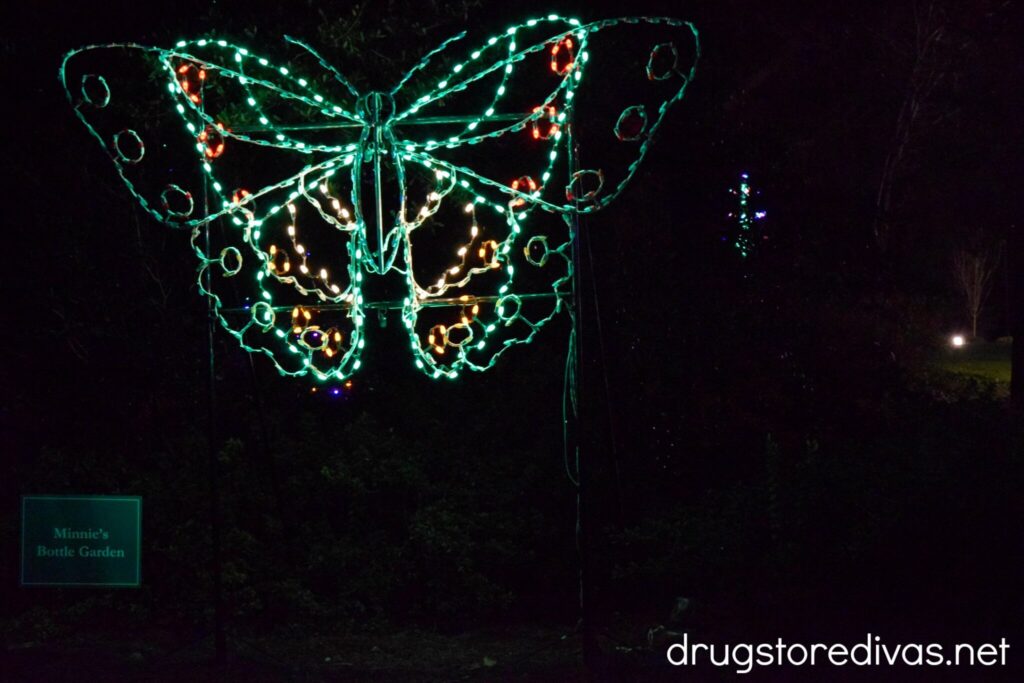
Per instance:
x=451, y=197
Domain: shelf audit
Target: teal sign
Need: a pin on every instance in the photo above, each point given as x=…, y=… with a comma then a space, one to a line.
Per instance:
x=80, y=540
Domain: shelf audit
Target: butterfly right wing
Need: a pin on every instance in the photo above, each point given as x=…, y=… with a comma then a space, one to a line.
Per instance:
x=209, y=131
x=287, y=283
x=520, y=91
x=507, y=261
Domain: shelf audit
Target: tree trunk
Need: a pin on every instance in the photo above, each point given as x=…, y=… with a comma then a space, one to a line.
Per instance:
x=927, y=70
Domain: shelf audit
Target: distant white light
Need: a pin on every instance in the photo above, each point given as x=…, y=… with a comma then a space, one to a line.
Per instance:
x=957, y=340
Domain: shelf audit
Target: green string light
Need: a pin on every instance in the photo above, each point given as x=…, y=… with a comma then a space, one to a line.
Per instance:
x=745, y=240
x=516, y=231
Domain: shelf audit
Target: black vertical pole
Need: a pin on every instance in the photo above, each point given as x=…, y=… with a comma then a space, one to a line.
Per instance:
x=579, y=432
x=219, y=639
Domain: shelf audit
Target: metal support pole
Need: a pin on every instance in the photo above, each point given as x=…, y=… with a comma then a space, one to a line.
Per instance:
x=411, y=121
x=219, y=637
x=588, y=626
x=395, y=304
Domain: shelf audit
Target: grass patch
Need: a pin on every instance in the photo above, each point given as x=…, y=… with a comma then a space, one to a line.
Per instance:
x=978, y=359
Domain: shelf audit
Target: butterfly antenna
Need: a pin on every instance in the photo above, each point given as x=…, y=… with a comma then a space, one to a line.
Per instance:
x=426, y=60
x=325, y=64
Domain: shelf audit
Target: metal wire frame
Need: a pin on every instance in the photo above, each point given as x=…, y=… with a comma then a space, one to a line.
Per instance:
x=572, y=416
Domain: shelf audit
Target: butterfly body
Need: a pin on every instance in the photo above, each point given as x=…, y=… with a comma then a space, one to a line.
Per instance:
x=467, y=193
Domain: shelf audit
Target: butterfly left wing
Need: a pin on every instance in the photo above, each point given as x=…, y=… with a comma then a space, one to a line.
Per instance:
x=208, y=130
x=168, y=117
x=611, y=81
x=513, y=176
x=482, y=277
